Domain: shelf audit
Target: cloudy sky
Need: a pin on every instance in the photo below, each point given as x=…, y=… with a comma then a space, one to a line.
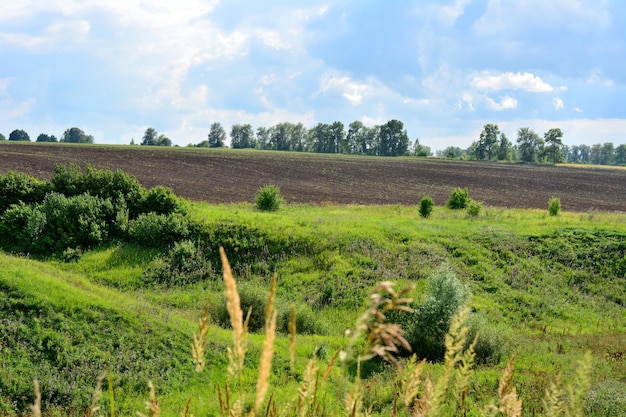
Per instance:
x=444, y=68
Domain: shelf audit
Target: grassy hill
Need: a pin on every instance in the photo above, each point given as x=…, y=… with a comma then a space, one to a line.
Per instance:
x=545, y=288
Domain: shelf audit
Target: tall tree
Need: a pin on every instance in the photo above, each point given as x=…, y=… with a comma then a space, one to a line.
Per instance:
x=553, y=144
x=338, y=135
x=150, y=137
x=322, y=138
x=355, y=138
x=607, y=154
x=19, y=135
x=528, y=144
x=620, y=155
x=394, y=140
x=2, y=137
x=242, y=136
x=505, y=148
x=263, y=136
x=76, y=135
x=595, y=154
x=217, y=136
x=488, y=140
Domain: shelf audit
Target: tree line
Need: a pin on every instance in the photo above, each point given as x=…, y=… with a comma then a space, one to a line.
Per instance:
x=71, y=135
x=493, y=145
x=389, y=139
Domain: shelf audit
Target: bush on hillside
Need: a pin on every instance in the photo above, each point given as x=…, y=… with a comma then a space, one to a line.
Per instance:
x=158, y=230
x=161, y=200
x=268, y=198
x=474, y=207
x=554, y=206
x=307, y=321
x=184, y=264
x=459, y=199
x=426, y=206
x=425, y=328
x=252, y=298
x=16, y=187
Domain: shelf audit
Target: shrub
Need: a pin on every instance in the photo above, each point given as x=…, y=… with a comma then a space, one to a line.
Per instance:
x=426, y=207
x=307, y=321
x=606, y=398
x=252, y=299
x=20, y=227
x=16, y=187
x=184, y=264
x=458, y=199
x=474, y=207
x=490, y=345
x=160, y=200
x=426, y=327
x=554, y=206
x=268, y=198
x=158, y=230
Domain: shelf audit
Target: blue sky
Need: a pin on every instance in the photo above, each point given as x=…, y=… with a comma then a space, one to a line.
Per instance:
x=444, y=68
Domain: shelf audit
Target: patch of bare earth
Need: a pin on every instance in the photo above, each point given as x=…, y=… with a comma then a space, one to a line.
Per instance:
x=226, y=175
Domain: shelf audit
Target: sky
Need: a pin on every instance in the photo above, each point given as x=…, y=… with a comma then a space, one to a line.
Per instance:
x=444, y=68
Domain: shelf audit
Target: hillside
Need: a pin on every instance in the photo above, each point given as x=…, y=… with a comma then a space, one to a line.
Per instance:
x=225, y=176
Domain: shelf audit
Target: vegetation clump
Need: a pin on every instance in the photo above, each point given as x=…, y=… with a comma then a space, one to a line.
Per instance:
x=426, y=206
x=554, y=206
x=268, y=198
x=474, y=207
x=459, y=199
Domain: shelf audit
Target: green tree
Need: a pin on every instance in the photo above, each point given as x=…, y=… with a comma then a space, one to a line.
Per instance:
x=2, y=137
x=607, y=154
x=217, y=136
x=505, y=148
x=595, y=154
x=620, y=155
x=393, y=139
x=150, y=137
x=263, y=136
x=488, y=141
x=19, y=135
x=76, y=135
x=528, y=145
x=163, y=141
x=242, y=136
x=46, y=138
x=554, y=144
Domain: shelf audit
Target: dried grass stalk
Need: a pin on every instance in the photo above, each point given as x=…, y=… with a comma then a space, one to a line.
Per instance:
x=200, y=342
x=237, y=353
x=36, y=407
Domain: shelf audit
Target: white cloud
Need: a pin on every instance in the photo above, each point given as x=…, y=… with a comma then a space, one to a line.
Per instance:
x=512, y=81
x=351, y=90
x=557, y=103
x=507, y=103
x=578, y=110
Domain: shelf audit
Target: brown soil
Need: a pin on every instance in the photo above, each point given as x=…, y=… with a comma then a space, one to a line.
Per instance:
x=225, y=175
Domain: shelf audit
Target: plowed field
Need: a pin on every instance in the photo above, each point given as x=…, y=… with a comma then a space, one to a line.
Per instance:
x=226, y=175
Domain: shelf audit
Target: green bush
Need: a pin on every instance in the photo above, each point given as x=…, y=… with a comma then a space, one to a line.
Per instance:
x=158, y=230
x=554, y=206
x=307, y=321
x=161, y=200
x=268, y=198
x=606, y=399
x=184, y=264
x=426, y=206
x=491, y=343
x=426, y=327
x=252, y=299
x=474, y=207
x=20, y=227
x=459, y=199
x=16, y=187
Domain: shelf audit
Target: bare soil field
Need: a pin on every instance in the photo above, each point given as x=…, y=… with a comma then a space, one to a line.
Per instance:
x=229, y=175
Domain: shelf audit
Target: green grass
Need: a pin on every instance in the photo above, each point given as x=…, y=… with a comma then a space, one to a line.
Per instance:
x=552, y=285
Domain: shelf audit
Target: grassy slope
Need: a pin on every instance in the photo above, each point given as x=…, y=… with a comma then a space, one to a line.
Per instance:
x=538, y=280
